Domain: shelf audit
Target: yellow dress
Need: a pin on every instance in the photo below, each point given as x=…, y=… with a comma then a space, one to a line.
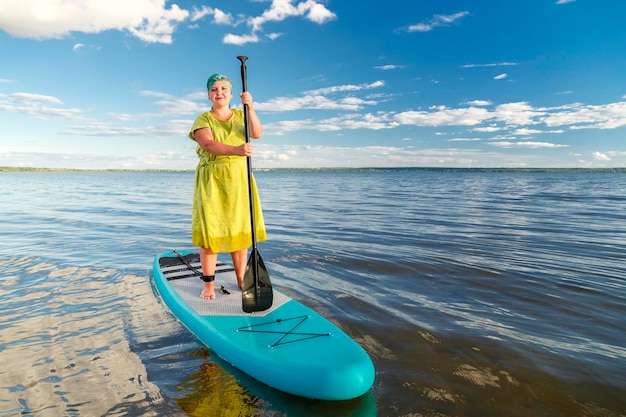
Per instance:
x=220, y=217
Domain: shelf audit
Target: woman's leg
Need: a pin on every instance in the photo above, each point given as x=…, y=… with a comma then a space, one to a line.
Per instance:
x=208, y=260
x=239, y=263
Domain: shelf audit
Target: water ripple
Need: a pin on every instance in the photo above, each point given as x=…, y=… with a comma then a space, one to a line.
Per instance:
x=476, y=293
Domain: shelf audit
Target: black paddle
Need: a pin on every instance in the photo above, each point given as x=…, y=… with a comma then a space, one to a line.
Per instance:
x=257, y=294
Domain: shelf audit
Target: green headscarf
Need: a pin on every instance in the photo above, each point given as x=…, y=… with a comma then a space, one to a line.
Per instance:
x=218, y=77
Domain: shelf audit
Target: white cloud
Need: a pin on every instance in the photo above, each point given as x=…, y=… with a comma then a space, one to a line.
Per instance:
x=501, y=76
x=160, y=27
x=319, y=102
x=38, y=106
x=109, y=128
x=519, y=113
x=500, y=64
x=479, y=103
x=565, y=1
x=222, y=18
x=231, y=39
x=369, y=121
x=526, y=132
x=527, y=144
x=388, y=67
x=578, y=116
x=513, y=119
x=347, y=87
x=519, y=116
x=443, y=116
x=150, y=93
x=317, y=12
x=274, y=36
x=179, y=107
x=29, y=98
x=278, y=11
x=198, y=14
x=599, y=156
x=78, y=47
x=487, y=129
x=283, y=9
x=437, y=21
x=366, y=121
x=219, y=17
x=317, y=156
x=149, y=20
x=472, y=121
x=274, y=156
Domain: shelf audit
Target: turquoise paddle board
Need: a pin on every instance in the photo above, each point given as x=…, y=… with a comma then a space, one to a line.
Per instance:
x=289, y=347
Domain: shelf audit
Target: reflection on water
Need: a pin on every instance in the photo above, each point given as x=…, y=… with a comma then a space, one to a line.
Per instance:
x=62, y=332
x=219, y=389
x=213, y=388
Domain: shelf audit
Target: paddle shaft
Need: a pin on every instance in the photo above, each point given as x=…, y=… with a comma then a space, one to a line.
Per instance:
x=244, y=83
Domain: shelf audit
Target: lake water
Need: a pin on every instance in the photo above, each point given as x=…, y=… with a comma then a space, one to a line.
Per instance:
x=476, y=293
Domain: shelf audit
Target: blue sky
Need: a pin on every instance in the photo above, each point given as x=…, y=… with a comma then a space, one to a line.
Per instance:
x=490, y=83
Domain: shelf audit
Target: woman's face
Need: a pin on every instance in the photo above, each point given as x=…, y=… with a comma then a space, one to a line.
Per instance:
x=220, y=93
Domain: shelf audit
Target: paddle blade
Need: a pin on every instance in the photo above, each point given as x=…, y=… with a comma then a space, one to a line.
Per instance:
x=257, y=293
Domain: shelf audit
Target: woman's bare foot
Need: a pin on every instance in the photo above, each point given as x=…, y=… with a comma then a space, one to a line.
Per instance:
x=208, y=291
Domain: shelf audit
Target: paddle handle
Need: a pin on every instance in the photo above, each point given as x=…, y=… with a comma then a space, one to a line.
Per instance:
x=244, y=72
x=244, y=83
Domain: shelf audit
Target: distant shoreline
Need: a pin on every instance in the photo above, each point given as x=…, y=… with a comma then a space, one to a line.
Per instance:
x=363, y=169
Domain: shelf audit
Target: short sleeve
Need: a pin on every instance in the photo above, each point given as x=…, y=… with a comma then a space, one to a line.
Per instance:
x=201, y=122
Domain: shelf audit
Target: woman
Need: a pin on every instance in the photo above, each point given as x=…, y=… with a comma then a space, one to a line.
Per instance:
x=221, y=210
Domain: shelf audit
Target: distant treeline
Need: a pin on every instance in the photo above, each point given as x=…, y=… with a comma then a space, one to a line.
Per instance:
x=364, y=169
x=34, y=169
x=438, y=169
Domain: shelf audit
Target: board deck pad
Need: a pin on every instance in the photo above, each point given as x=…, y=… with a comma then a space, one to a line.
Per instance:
x=188, y=285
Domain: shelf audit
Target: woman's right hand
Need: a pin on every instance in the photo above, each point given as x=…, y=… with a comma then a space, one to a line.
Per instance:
x=245, y=149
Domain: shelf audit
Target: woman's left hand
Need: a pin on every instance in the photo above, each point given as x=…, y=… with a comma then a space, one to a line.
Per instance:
x=246, y=98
